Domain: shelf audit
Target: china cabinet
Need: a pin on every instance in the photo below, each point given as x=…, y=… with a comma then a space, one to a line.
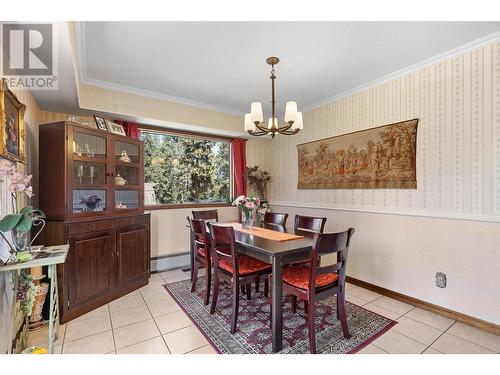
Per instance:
x=91, y=188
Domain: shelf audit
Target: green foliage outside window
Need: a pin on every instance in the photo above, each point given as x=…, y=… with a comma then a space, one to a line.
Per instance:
x=185, y=169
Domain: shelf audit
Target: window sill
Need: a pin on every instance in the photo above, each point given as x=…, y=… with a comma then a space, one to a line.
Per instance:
x=186, y=205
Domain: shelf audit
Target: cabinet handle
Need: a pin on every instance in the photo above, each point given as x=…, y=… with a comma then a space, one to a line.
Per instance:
x=92, y=227
x=132, y=221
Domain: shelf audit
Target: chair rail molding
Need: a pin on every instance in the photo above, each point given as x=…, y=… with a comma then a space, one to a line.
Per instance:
x=392, y=211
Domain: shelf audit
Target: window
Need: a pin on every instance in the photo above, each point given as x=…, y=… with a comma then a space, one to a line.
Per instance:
x=185, y=169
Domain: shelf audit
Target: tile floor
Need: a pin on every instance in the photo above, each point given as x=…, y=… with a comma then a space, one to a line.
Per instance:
x=149, y=321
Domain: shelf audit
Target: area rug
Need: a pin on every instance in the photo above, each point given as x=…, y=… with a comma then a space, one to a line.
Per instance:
x=253, y=334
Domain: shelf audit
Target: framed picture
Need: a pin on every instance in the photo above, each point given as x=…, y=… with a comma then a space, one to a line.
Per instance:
x=101, y=123
x=12, y=132
x=116, y=128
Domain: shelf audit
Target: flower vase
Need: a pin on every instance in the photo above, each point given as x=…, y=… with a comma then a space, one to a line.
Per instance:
x=20, y=239
x=247, y=221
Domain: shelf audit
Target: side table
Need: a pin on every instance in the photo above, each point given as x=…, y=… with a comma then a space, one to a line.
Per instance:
x=57, y=255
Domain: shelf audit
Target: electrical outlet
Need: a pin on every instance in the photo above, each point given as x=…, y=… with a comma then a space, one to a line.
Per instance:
x=440, y=280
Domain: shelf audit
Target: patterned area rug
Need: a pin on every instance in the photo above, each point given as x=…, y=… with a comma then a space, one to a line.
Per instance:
x=253, y=333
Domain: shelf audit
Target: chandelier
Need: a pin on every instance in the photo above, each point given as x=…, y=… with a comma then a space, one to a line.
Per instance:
x=254, y=121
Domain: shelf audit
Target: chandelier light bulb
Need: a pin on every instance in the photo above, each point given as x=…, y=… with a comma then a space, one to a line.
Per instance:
x=256, y=112
x=270, y=123
x=249, y=125
x=291, y=111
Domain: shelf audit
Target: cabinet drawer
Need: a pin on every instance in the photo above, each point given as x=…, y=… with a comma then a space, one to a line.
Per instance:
x=90, y=226
x=123, y=222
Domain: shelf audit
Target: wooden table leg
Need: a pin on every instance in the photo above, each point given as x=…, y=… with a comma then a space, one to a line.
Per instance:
x=277, y=307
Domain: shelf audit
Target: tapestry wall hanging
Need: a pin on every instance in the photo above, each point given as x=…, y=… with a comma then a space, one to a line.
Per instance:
x=378, y=158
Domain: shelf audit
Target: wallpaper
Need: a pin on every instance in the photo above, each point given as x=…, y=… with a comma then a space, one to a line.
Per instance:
x=457, y=101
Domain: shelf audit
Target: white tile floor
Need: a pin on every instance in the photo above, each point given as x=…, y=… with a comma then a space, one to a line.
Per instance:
x=149, y=321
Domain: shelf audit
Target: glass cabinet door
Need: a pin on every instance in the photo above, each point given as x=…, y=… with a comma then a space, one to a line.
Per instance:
x=89, y=146
x=127, y=178
x=88, y=173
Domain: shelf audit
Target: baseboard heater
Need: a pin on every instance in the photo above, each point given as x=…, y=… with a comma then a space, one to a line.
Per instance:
x=169, y=262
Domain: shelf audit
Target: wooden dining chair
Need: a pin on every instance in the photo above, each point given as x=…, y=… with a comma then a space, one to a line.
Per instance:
x=312, y=282
x=275, y=218
x=236, y=269
x=309, y=224
x=201, y=254
x=206, y=215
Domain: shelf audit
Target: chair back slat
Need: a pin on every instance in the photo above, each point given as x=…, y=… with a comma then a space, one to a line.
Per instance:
x=276, y=227
x=223, y=245
x=309, y=224
x=199, y=235
x=331, y=243
x=275, y=218
x=206, y=215
x=329, y=269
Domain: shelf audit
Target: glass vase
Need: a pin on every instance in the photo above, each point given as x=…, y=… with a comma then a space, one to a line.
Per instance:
x=247, y=221
x=20, y=240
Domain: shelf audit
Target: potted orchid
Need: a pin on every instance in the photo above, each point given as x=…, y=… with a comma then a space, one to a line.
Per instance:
x=23, y=219
x=248, y=206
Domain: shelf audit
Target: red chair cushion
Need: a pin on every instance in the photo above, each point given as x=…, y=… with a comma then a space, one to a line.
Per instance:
x=202, y=252
x=299, y=275
x=246, y=265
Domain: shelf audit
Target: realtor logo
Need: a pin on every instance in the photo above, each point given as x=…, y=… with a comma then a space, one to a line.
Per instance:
x=30, y=56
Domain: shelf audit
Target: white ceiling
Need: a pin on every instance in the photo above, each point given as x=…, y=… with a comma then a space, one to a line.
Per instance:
x=222, y=64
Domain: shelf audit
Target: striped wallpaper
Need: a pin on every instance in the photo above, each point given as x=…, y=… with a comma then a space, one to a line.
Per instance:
x=458, y=148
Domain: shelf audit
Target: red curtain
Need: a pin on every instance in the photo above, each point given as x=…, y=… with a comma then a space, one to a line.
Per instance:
x=131, y=129
x=239, y=151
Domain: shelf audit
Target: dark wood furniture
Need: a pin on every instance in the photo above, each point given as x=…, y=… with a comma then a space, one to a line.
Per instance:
x=91, y=188
x=273, y=221
x=275, y=218
x=202, y=254
x=277, y=254
x=312, y=282
x=309, y=224
x=206, y=215
x=236, y=269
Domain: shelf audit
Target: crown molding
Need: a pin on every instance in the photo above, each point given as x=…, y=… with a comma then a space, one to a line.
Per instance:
x=409, y=69
x=392, y=211
x=154, y=95
x=81, y=42
x=84, y=79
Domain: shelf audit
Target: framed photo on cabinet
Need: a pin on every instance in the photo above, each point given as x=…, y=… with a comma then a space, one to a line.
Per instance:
x=12, y=132
x=101, y=123
x=116, y=128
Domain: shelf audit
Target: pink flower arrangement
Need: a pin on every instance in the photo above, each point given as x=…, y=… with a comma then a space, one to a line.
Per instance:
x=247, y=203
x=18, y=183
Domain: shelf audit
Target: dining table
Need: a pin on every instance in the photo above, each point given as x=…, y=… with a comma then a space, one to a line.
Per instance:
x=278, y=253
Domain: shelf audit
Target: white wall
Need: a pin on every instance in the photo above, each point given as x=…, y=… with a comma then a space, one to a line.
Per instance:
x=169, y=234
x=399, y=243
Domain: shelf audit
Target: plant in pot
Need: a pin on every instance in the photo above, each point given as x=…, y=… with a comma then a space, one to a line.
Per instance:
x=23, y=219
x=258, y=180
